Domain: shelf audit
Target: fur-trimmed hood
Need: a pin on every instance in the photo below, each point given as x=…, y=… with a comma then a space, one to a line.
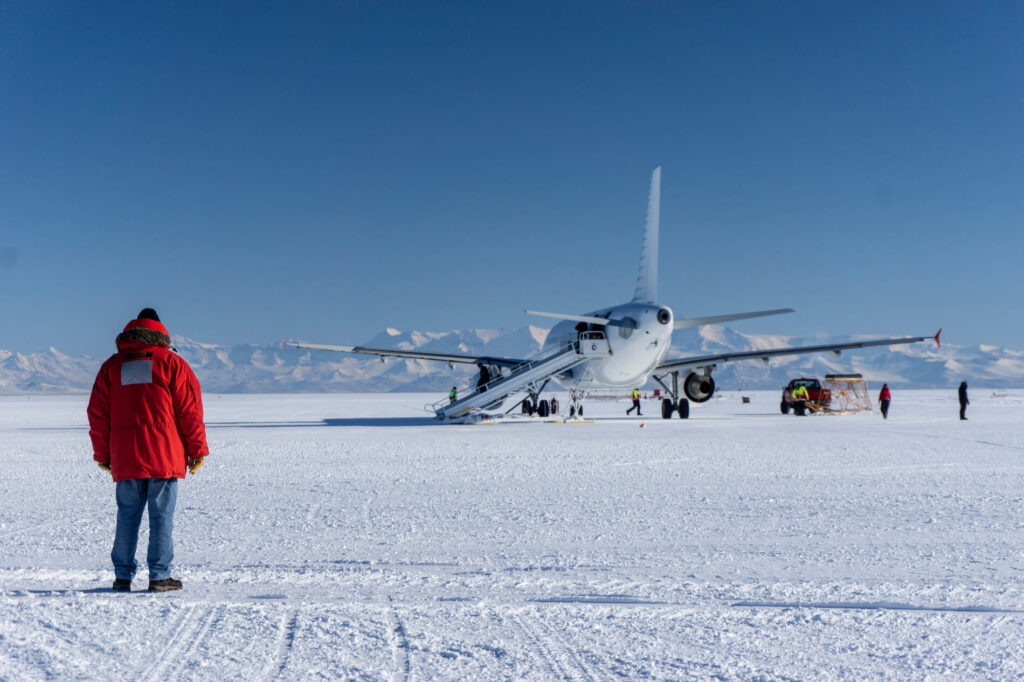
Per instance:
x=143, y=333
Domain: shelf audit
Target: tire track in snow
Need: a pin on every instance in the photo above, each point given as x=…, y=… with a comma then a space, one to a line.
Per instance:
x=570, y=652
x=167, y=655
x=535, y=644
x=873, y=606
x=401, y=665
x=287, y=631
x=367, y=525
x=66, y=655
x=211, y=616
x=8, y=535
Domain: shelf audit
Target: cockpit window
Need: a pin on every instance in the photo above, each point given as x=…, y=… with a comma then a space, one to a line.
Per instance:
x=626, y=327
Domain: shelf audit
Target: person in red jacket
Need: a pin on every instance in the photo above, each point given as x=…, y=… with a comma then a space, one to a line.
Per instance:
x=883, y=400
x=146, y=426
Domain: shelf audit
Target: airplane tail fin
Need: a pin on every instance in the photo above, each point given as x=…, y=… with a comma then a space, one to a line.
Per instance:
x=647, y=278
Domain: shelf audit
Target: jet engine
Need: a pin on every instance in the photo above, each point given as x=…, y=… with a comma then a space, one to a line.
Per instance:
x=699, y=387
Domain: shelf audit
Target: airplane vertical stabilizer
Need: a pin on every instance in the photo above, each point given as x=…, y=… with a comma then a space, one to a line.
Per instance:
x=647, y=278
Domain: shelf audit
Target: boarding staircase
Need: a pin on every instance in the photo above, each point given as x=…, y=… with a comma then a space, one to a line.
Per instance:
x=523, y=377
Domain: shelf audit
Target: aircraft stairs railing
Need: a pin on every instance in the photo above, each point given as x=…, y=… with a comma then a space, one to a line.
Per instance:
x=533, y=372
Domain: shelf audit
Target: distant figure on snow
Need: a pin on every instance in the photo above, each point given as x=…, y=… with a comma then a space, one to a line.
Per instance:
x=146, y=426
x=964, y=402
x=485, y=377
x=636, y=403
x=453, y=395
x=883, y=400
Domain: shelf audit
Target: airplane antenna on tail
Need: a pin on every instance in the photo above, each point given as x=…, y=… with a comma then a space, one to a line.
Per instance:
x=647, y=278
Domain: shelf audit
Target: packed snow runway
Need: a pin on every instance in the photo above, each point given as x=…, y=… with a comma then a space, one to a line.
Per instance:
x=352, y=536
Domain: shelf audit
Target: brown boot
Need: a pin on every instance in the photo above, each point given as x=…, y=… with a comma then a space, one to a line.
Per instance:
x=165, y=585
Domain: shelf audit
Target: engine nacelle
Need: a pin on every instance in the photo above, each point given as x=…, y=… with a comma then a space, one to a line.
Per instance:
x=699, y=387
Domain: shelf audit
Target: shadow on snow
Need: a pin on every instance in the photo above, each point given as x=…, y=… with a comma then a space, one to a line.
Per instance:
x=339, y=421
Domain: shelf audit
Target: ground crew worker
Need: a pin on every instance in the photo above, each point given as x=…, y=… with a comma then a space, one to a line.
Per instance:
x=883, y=400
x=146, y=426
x=800, y=397
x=636, y=403
x=964, y=402
x=453, y=395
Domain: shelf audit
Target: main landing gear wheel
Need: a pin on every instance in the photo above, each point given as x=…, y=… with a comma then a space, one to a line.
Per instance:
x=667, y=408
x=543, y=409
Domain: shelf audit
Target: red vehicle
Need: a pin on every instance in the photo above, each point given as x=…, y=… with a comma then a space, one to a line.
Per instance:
x=815, y=394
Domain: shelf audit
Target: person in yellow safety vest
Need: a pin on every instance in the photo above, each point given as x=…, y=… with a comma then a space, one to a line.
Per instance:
x=453, y=395
x=800, y=397
x=636, y=403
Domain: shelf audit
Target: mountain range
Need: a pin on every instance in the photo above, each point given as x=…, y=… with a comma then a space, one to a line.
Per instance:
x=271, y=369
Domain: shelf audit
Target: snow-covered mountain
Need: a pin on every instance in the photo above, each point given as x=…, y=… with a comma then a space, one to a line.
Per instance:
x=271, y=369
x=49, y=372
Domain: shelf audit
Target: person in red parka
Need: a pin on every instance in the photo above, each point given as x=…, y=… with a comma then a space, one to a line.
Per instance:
x=883, y=400
x=146, y=426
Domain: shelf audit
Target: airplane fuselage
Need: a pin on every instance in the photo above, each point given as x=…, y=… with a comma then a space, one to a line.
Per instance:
x=638, y=341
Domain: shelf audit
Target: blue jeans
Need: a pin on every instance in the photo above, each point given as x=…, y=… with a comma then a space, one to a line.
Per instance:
x=132, y=497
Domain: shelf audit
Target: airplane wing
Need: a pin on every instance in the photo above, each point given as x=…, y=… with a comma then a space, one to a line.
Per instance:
x=678, y=364
x=411, y=354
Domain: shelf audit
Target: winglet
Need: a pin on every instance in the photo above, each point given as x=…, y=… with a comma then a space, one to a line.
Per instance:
x=937, y=337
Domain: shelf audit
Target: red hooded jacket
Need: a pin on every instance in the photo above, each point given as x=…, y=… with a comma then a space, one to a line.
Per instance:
x=146, y=410
x=884, y=394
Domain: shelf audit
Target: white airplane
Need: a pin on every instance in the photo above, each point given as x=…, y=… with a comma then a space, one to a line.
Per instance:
x=620, y=346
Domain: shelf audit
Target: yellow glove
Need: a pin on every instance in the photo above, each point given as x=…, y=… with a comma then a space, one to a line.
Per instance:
x=105, y=466
x=194, y=463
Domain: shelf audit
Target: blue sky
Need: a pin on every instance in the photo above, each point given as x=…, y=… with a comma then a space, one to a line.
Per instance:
x=325, y=170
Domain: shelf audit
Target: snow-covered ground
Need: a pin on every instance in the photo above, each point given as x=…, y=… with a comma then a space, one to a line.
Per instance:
x=350, y=536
